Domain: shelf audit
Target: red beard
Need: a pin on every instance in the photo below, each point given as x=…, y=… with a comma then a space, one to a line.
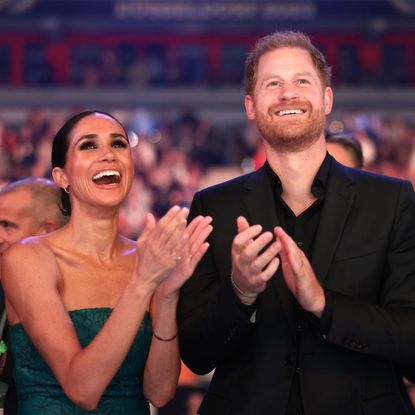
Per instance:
x=291, y=134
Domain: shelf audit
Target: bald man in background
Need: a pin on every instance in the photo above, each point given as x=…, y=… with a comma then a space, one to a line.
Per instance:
x=28, y=207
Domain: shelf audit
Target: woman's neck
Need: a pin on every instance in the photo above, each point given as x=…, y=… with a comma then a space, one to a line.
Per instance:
x=94, y=233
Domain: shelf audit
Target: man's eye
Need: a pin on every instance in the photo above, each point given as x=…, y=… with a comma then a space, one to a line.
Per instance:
x=303, y=81
x=87, y=145
x=119, y=144
x=273, y=83
x=7, y=225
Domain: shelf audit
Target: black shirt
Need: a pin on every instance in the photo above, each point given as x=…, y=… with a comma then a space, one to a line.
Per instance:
x=302, y=229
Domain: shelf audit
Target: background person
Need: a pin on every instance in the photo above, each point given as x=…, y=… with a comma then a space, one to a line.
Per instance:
x=27, y=207
x=345, y=148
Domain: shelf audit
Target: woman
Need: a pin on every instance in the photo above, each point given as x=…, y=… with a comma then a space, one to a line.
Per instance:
x=92, y=312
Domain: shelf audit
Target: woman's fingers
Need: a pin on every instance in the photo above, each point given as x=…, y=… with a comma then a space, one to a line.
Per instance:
x=197, y=256
x=149, y=226
x=198, y=230
x=166, y=225
x=191, y=227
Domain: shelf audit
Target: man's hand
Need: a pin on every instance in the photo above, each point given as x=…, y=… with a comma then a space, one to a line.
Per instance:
x=299, y=275
x=252, y=264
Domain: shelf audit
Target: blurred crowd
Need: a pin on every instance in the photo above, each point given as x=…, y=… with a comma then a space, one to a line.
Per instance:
x=124, y=62
x=176, y=156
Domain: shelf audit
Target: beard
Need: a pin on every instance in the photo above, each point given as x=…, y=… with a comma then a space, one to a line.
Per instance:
x=291, y=135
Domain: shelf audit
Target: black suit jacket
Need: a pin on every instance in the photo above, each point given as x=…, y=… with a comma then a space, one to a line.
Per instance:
x=364, y=257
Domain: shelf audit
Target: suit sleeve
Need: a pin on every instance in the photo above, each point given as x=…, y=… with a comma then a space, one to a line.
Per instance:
x=385, y=329
x=212, y=323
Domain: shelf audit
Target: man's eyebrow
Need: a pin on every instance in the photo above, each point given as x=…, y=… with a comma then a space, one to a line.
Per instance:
x=297, y=74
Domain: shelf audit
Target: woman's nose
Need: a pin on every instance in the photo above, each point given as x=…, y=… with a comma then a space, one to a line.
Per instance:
x=108, y=154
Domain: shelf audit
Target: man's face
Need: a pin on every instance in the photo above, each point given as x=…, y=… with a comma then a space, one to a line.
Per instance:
x=16, y=222
x=289, y=102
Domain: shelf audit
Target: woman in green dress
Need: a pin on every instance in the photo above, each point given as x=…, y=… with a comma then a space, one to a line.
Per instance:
x=93, y=314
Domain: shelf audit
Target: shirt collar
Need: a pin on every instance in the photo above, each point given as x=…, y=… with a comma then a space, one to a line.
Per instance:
x=319, y=183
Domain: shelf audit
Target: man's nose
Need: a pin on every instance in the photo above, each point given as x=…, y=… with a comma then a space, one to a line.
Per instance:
x=288, y=91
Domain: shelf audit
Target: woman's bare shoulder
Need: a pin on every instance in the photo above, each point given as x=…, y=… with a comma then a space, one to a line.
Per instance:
x=31, y=245
x=33, y=253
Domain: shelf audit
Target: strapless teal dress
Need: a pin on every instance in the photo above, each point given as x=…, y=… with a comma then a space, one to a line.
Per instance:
x=39, y=392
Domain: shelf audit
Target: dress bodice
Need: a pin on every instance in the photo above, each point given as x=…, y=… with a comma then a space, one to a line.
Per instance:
x=39, y=391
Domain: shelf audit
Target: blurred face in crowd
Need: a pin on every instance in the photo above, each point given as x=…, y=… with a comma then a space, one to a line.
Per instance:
x=341, y=154
x=289, y=103
x=99, y=166
x=16, y=219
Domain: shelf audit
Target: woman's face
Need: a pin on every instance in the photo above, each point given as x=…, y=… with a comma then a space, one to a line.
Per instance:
x=99, y=166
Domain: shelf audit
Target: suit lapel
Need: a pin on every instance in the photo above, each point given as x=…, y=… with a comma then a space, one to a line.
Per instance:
x=260, y=204
x=259, y=201
x=338, y=197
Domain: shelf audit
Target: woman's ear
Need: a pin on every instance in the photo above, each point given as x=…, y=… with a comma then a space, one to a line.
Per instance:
x=59, y=177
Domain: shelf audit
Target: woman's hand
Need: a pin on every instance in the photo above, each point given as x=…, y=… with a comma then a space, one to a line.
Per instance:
x=192, y=251
x=160, y=246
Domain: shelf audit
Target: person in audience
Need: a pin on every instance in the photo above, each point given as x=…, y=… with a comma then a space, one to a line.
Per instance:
x=345, y=148
x=27, y=207
x=305, y=300
x=92, y=313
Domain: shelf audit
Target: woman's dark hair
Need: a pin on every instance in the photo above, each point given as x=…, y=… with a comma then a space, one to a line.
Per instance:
x=350, y=143
x=60, y=148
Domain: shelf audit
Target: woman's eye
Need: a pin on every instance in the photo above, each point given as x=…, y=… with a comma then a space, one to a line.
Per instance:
x=119, y=144
x=87, y=145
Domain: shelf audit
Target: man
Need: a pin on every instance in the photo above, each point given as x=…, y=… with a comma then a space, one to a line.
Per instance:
x=305, y=300
x=27, y=207
x=346, y=149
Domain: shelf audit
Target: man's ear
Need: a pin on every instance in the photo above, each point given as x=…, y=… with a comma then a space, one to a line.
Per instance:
x=249, y=107
x=59, y=177
x=328, y=100
x=47, y=226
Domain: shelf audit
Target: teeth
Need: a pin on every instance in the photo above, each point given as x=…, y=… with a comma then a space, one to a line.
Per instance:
x=106, y=173
x=286, y=112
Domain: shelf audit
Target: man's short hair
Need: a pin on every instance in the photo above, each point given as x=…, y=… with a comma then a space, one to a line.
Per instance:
x=278, y=40
x=45, y=198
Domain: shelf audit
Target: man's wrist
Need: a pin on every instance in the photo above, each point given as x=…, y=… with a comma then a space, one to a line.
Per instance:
x=319, y=305
x=245, y=297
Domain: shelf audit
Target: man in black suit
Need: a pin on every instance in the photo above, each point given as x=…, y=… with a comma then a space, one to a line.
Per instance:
x=305, y=300
x=27, y=207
